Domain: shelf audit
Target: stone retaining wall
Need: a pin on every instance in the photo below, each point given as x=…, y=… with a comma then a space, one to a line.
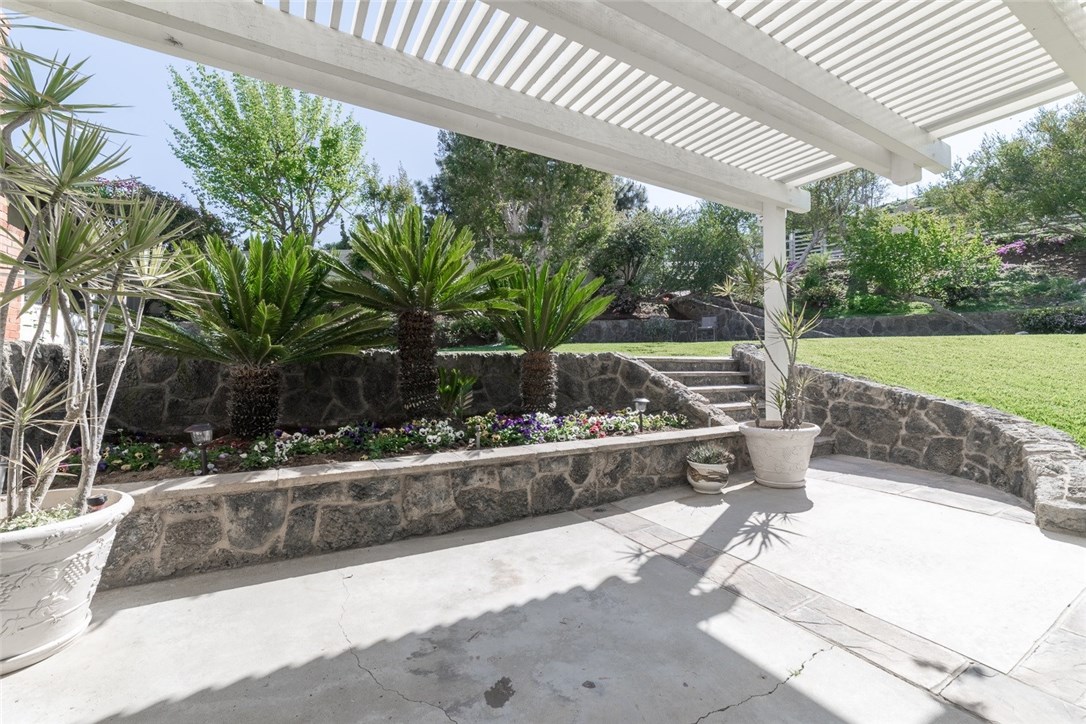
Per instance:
x=163, y=395
x=731, y=324
x=655, y=329
x=199, y=524
x=1040, y=464
x=922, y=325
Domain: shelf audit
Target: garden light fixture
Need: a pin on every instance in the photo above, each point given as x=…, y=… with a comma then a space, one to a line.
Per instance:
x=201, y=435
x=641, y=404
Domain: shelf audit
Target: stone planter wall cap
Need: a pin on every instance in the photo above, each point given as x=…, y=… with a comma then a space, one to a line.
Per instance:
x=288, y=477
x=118, y=505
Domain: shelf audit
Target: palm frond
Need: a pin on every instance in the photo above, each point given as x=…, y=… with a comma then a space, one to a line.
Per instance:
x=550, y=308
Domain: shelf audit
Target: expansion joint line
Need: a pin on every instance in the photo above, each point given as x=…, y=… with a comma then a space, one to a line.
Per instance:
x=358, y=659
x=772, y=691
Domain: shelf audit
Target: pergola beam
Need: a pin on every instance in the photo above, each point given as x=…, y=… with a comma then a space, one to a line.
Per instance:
x=707, y=50
x=1060, y=28
x=259, y=41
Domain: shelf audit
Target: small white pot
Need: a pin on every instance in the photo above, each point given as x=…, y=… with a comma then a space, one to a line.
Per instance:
x=706, y=478
x=48, y=575
x=780, y=457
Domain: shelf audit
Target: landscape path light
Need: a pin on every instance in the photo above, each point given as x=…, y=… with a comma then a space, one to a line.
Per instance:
x=641, y=404
x=201, y=434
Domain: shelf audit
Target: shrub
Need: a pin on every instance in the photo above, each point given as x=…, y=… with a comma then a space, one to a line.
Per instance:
x=471, y=330
x=1054, y=320
x=905, y=255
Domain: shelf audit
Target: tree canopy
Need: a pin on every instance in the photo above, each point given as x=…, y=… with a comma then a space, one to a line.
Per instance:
x=532, y=207
x=1034, y=179
x=274, y=160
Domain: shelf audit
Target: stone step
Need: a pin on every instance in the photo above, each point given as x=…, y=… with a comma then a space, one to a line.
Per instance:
x=738, y=411
x=700, y=364
x=727, y=393
x=715, y=377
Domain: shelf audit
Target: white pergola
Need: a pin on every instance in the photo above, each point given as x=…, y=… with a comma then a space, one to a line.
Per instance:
x=736, y=101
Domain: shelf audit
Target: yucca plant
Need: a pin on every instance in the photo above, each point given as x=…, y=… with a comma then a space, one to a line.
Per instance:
x=550, y=310
x=789, y=324
x=80, y=264
x=256, y=311
x=419, y=274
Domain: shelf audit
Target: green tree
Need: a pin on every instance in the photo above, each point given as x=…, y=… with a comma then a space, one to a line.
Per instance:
x=418, y=274
x=550, y=310
x=520, y=203
x=257, y=311
x=196, y=221
x=630, y=248
x=918, y=253
x=630, y=196
x=275, y=160
x=834, y=201
x=704, y=245
x=1032, y=179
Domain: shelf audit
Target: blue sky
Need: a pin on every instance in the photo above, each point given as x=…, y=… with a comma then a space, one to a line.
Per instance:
x=138, y=81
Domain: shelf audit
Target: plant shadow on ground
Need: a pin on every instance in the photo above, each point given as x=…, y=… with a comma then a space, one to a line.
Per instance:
x=650, y=642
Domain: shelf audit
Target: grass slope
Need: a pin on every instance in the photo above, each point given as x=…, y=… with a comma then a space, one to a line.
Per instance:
x=1039, y=377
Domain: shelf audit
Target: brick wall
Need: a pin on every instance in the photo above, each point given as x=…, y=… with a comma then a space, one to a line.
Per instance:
x=9, y=244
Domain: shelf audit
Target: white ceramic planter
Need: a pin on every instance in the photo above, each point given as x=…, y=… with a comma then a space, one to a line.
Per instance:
x=48, y=575
x=780, y=457
x=706, y=478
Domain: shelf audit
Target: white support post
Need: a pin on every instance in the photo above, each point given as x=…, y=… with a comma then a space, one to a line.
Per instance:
x=774, y=301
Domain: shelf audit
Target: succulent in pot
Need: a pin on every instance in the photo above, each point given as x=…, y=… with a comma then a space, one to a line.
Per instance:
x=86, y=264
x=707, y=468
x=780, y=450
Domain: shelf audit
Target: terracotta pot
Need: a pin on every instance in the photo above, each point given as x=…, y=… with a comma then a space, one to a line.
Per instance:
x=780, y=457
x=705, y=477
x=48, y=576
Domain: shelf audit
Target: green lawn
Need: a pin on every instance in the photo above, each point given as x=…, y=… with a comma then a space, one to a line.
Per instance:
x=1040, y=377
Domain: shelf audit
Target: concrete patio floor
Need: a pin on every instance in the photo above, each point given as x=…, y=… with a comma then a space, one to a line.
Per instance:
x=877, y=594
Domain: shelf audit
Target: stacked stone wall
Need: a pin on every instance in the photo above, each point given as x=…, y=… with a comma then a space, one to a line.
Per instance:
x=198, y=524
x=1042, y=465
x=162, y=395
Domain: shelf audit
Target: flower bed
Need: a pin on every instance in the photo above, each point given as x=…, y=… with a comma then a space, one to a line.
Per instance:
x=134, y=457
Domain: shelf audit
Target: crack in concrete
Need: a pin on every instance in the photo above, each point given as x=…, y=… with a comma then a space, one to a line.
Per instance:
x=358, y=659
x=772, y=691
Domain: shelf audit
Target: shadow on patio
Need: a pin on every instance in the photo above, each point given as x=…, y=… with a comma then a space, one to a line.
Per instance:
x=552, y=619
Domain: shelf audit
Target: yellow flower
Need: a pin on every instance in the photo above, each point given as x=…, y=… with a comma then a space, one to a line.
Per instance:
x=126, y=468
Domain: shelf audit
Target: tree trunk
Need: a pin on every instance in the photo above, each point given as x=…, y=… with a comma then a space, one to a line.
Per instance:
x=538, y=381
x=418, y=363
x=254, y=400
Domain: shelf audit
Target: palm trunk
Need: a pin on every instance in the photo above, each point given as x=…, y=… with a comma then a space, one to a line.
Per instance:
x=418, y=363
x=254, y=400
x=538, y=381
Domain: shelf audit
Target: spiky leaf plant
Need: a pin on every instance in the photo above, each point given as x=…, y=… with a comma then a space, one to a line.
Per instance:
x=550, y=310
x=789, y=325
x=418, y=274
x=81, y=264
x=255, y=311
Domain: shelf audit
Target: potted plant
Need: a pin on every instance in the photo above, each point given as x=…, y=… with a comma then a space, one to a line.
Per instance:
x=780, y=450
x=84, y=266
x=707, y=468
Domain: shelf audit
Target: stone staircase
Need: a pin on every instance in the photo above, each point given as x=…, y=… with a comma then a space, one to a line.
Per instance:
x=718, y=379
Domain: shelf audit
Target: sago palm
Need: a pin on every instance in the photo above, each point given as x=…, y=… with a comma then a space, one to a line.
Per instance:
x=551, y=309
x=259, y=310
x=419, y=274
